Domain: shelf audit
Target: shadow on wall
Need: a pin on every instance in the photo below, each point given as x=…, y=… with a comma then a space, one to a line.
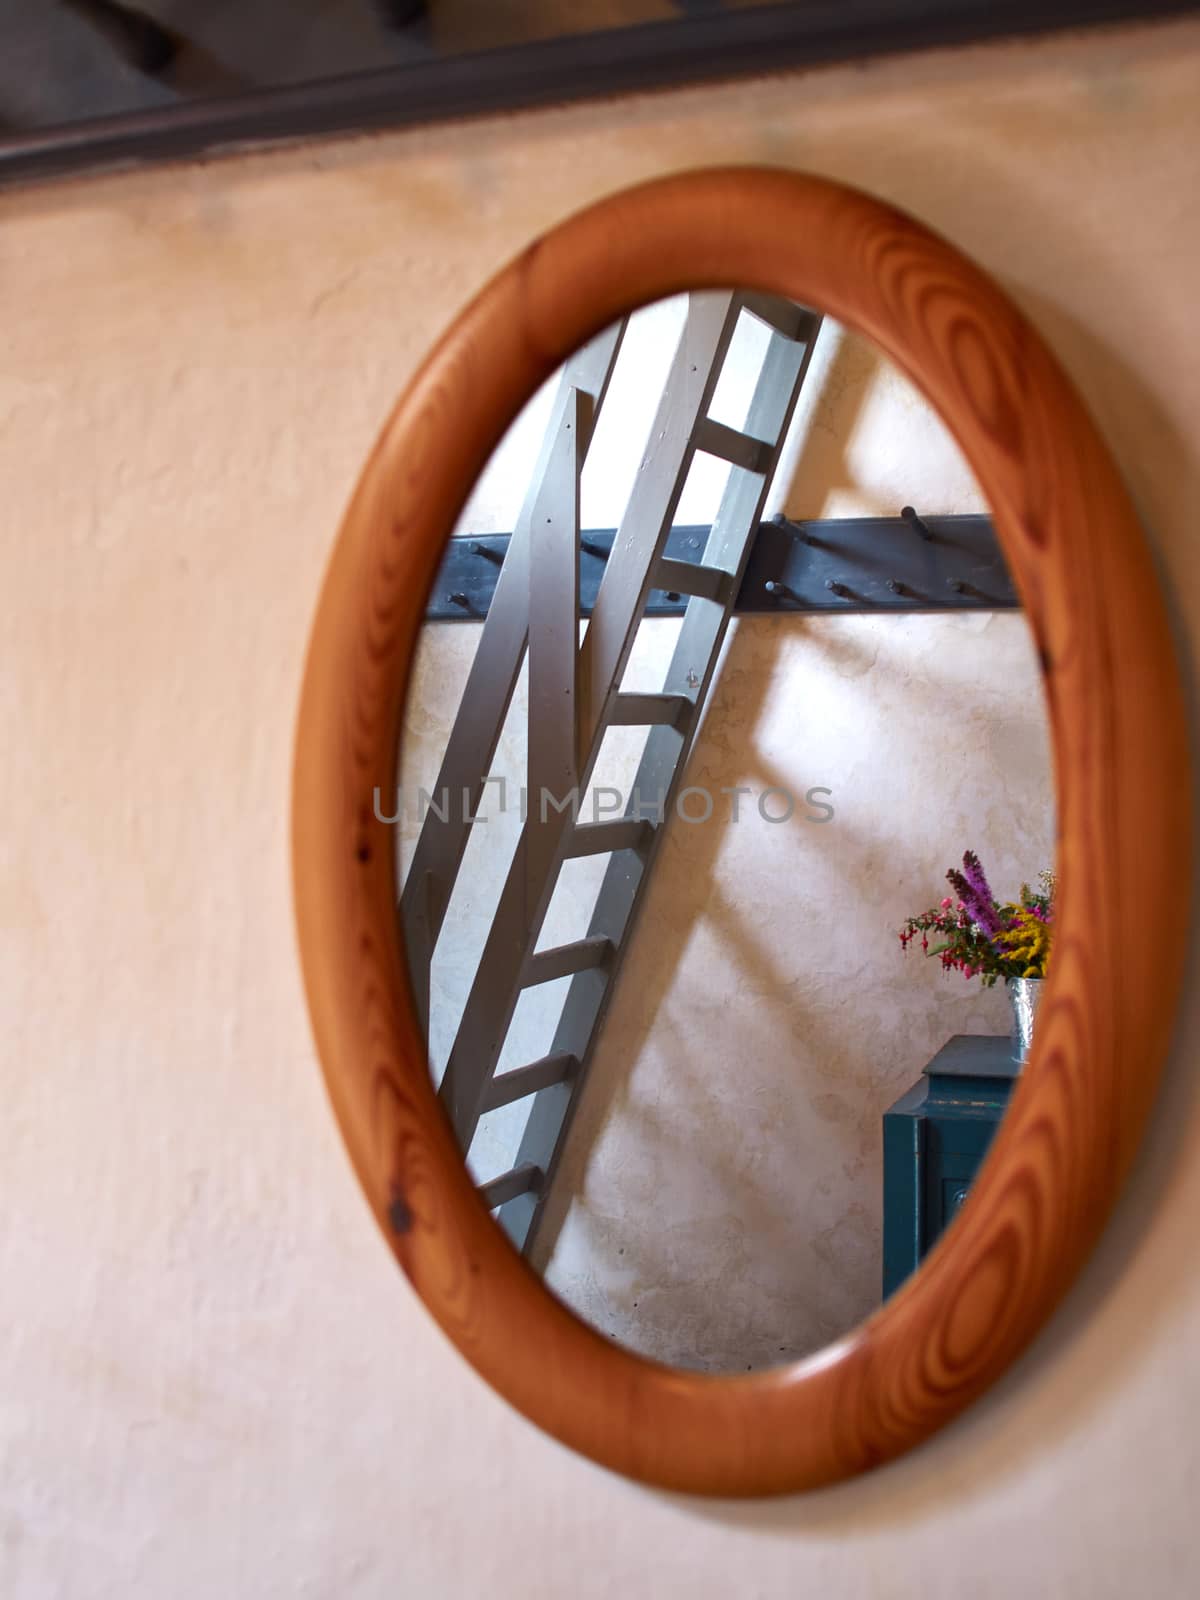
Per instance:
x=822, y=469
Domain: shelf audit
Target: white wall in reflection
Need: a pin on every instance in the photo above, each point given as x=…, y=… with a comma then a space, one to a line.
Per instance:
x=719, y=1202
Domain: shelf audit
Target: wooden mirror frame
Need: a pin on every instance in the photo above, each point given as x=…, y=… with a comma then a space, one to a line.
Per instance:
x=1123, y=784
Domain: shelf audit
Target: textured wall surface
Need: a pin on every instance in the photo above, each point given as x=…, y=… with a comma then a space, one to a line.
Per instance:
x=212, y=1378
x=718, y=1202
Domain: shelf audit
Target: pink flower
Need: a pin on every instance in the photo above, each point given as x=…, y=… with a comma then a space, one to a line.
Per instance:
x=968, y=972
x=947, y=903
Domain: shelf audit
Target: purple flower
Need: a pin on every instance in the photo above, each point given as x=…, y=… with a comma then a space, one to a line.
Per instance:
x=972, y=889
x=974, y=874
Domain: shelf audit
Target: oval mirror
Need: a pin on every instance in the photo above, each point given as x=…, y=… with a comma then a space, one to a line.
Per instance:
x=688, y=960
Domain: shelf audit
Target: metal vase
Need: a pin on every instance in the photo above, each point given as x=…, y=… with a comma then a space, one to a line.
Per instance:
x=1025, y=995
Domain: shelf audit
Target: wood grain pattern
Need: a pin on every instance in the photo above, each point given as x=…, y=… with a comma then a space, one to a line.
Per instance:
x=1123, y=787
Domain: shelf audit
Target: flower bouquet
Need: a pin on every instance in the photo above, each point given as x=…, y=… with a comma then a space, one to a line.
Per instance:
x=982, y=937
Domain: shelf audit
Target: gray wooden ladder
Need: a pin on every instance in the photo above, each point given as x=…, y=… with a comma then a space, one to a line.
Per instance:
x=574, y=698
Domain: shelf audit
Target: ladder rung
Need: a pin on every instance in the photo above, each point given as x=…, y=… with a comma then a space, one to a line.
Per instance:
x=739, y=449
x=521, y=1180
x=689, y=577
x=543, y=1074
x=784, y=316
x=566, y=959
x=650, y=710
x=622, y=833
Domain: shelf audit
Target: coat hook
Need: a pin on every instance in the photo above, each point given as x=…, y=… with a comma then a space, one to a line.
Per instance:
x=478, y=548
x=591, y=549
x=958, y=586
x=458, y=598
x=840, y=589
x=914, y=522
x=788, y=526
x=896, y=587
x=779, y=591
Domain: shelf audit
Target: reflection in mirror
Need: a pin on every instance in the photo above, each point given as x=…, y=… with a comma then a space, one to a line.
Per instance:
x=723, y=671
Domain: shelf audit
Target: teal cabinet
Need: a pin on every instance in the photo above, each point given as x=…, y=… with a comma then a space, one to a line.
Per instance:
x=934, y=1140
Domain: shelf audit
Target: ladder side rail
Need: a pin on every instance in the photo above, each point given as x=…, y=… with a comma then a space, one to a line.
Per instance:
x=554, y=637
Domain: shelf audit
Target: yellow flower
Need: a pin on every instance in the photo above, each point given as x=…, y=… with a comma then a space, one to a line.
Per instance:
x=1026, y=942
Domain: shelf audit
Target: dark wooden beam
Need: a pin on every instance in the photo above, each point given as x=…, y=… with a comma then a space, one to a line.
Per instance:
x=837, y=565
x=699, y=47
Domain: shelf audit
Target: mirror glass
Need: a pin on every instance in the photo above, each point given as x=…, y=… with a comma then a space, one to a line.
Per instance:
x=722, y=674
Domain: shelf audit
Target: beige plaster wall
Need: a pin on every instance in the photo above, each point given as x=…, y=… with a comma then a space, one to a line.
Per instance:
x=213, y=1380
